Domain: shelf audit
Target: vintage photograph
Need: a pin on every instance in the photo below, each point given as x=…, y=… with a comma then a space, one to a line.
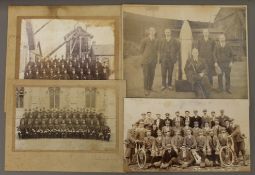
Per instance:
x=65, y=118
x=67, y=49
x=181, y=51
x=163, y=135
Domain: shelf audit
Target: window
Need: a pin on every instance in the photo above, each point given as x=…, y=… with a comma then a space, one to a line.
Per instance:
x=19, y=97
x=54, y=93
x=90, y=97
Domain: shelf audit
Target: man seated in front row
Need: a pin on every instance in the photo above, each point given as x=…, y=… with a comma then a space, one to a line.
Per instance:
x=196, y=73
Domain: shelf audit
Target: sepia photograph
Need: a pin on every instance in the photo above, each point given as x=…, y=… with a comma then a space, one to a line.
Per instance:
x=72, y=48
x=163, y=135
x=65, y=118
x=185, y=51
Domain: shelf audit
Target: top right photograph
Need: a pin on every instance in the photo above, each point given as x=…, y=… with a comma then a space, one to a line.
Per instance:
x=186, y=51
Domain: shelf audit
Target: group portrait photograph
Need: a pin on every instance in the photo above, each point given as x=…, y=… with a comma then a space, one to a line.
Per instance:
x=67, y=49
x=65, y=118
x=166, y=135
x=201, y=53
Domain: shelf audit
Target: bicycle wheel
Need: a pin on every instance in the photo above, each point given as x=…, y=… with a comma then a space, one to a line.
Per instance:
x=226, y=156
x=141, y=158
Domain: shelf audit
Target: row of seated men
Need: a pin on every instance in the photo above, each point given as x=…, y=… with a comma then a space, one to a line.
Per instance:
x=63, y=124
x=169, y=142
x=67, y=69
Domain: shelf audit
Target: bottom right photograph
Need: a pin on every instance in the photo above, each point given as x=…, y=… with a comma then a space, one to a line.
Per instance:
x=170, y=135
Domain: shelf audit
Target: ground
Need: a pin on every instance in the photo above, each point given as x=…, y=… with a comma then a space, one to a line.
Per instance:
x=134, y=77
x=237, y=168
x=64, y=144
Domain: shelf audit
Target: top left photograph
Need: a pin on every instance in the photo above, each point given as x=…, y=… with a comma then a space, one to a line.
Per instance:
x=59, y=43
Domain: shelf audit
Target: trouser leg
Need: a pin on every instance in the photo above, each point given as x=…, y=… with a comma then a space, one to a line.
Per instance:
x=146, y=76
x=152, y=68
x=227, y=77
x=170, y=73
x=163, y=74
x=220, y=81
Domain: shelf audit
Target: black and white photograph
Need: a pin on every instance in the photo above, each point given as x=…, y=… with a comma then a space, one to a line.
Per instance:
x=67, y=49
x=65, y=118
x=185, y=52
x=163, y=135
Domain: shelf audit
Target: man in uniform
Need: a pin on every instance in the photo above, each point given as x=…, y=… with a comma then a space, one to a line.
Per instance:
x=196, y=72
x=223, y=58
x=205, y=49
x=169, y=52
x=149, y=51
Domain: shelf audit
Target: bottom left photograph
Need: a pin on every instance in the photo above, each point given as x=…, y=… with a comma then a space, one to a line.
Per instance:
x=65, y=118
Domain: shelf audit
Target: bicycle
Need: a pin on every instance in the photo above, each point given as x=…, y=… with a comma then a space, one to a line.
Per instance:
x=226, y=153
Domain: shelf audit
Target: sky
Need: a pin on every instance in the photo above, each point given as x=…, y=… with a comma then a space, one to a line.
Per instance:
x=53, y=33
x=186, y=12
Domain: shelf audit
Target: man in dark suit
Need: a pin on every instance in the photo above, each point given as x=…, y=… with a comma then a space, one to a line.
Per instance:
x=169, y=52
x=205, y=49
x=223, y=58
x=159, y=122
x=196, y=72
x=196, y=118
x=149, y=51
x=178, y=118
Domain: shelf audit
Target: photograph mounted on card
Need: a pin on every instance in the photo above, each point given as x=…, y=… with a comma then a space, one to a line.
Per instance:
x=186, y=51
x=186, y=135
x=65, y=118
x=64, y=42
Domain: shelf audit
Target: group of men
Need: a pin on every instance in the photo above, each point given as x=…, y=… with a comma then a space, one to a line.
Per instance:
x=184, y=140
x=206, y=60
x=70, y=68
x=63, y=123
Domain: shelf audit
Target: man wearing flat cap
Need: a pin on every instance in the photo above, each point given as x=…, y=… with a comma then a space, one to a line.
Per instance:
x=178, y=118
x=223, y=118
x=167, y=115
x=206, y=119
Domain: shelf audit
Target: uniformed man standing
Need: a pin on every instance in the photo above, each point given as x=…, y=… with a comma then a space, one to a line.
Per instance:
x=223, y=58
x=149, y=51
x=169, y=52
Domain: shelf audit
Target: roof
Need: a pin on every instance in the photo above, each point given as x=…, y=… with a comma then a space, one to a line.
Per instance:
x=104, y=49
x=226, y=12
x=173, y=23
x=79, y=31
